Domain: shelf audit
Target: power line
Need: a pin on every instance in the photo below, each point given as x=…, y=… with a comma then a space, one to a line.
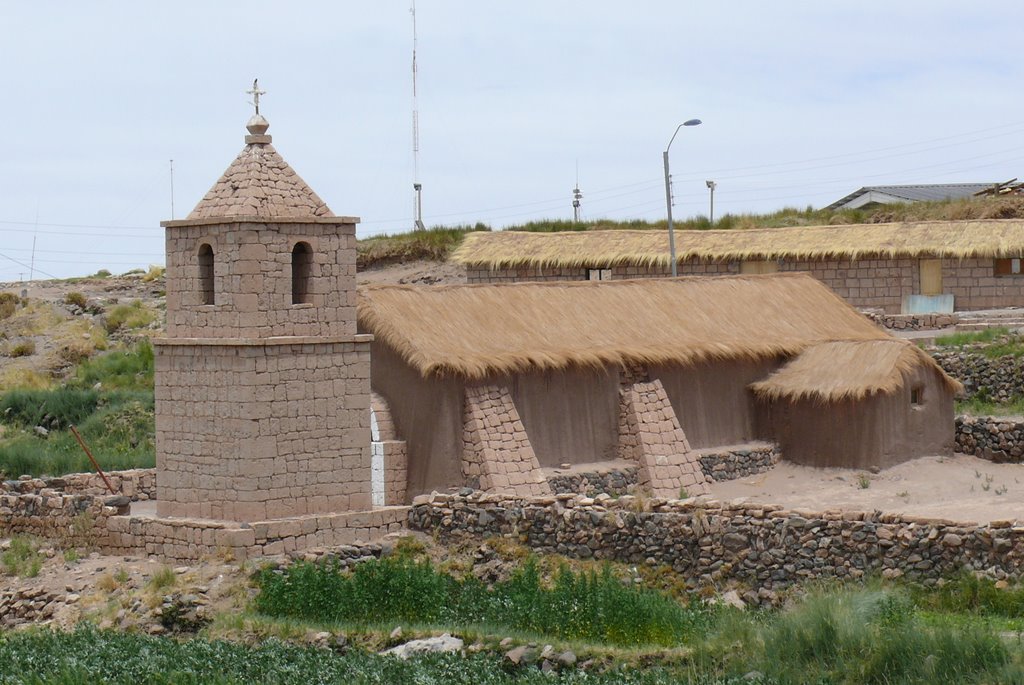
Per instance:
x=25, y=265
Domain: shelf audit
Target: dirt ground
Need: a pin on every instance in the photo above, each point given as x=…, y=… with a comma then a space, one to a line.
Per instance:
x=959, y=488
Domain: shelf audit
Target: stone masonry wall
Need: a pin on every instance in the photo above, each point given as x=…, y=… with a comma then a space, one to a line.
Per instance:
x=650, y=434
x=867, y=283
x=135, y=484
x=999, y=379
x=497, y=455
x=713, y=543
x=730, y=463
x=253, y=280
x=613, y=482
x=997, y=439
x=259, y=431
x=911, y=322
x=104, y=523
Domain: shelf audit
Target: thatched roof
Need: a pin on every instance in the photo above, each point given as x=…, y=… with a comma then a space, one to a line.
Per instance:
x=848, y=370
x=478, y=330
x=954, y=239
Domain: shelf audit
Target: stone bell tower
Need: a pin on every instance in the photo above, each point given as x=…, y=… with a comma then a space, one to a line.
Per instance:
x=262, y=384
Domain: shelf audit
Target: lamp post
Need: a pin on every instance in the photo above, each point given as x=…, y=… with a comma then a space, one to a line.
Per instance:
x=668, y=194
x=711, y=215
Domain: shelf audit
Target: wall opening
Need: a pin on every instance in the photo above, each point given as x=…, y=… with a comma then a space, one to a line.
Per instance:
x=1007, y=267
x=302, y=266
x=599, y=274
x=206, y=292
x=917, y=396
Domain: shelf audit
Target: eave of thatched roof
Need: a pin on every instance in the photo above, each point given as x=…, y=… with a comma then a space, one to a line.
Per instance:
x=849, y=370
x=951, y=239
x=475, y=331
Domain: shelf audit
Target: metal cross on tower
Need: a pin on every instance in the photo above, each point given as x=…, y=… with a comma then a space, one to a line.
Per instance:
x=256, y=93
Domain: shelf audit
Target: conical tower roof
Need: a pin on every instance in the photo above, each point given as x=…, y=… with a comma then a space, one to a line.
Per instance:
x=260, y=184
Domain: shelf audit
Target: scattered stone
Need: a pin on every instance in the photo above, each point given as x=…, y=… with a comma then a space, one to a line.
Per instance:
x=431, y=645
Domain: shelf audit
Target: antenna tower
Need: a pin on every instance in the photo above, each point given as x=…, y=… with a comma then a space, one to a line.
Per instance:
x=576, y=196
x=416, y=185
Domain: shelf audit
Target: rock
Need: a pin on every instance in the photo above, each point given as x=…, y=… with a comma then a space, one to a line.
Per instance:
x=396, y=634
x=117, y=501
x=505, y=642
x=566, y=658
x=431, y=645
x=523, y=655
x=40, y=431
x=952, y=540
x=732, y=598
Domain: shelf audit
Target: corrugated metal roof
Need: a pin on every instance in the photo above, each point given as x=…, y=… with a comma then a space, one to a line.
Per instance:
x=918, y=193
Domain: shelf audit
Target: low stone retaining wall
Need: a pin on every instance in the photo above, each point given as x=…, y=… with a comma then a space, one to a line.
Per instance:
x=717, y=463
x=912, y=322
x=615, y=482
x=730, y=463
x=191, y=539
x=71, y=520
x=135, y=484
x=998, y=379
x=994, y=438
x=710, y=542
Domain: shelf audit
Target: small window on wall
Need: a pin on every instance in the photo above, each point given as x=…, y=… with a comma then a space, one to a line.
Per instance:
x=302, y=266
x=599, y=274
x=1008, y=267
x=206, y=293
x=917, y=396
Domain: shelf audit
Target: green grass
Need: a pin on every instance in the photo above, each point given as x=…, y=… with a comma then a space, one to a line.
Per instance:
x=116, y=420
x=432, y=244
x=22, y=558
x=129, y=317
x=981, y=406
x=592, y=606
x=971, y=338
x=130, y=369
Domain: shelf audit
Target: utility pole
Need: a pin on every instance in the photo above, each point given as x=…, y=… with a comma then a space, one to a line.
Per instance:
x=711, y=215
x=576, y=196
x=172, y=190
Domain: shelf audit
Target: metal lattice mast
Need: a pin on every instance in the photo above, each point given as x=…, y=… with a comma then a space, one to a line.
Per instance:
x=416, y=185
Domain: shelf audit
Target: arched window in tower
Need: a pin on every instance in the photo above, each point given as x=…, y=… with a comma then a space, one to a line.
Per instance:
x=302, y=265
x=206, y=273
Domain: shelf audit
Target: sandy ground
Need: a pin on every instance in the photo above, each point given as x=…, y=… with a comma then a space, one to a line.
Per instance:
x=959, y=488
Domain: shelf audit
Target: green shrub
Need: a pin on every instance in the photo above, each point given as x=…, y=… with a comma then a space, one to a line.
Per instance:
x=75, y=298
x=51, y=409
x=22, y=558
x=129, y=317
x=102, y=273
x=433, y=244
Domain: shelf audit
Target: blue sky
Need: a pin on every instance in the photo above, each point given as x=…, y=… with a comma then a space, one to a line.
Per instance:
x=802, y=103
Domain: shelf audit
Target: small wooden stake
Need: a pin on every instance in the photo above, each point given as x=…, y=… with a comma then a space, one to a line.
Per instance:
x=93, y=460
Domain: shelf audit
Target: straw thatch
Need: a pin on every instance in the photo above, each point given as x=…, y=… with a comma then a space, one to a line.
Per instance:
x=951, y=239
x=848, y=370
x=478, y=330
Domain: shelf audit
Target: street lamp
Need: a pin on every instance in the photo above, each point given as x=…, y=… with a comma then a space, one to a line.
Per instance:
x=668, y=193
x=711, y=216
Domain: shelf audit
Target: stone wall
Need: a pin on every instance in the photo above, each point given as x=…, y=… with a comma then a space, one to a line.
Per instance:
x=185, y=539
x=496, y=453
x=713, y=543
x=729, y=463
x=135, y=484
x=911, y=322
x=271, y=429
x=70, y=520
x=999, y=379
x=995, y=438
x=866, y=283
x=614, y=482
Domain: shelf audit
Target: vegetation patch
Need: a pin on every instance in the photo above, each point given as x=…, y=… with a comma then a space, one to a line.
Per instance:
x=972, y=338
x=109, y=399
x=22, y=557
x=129, y=317
x=591, y=605
x=432, y=244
